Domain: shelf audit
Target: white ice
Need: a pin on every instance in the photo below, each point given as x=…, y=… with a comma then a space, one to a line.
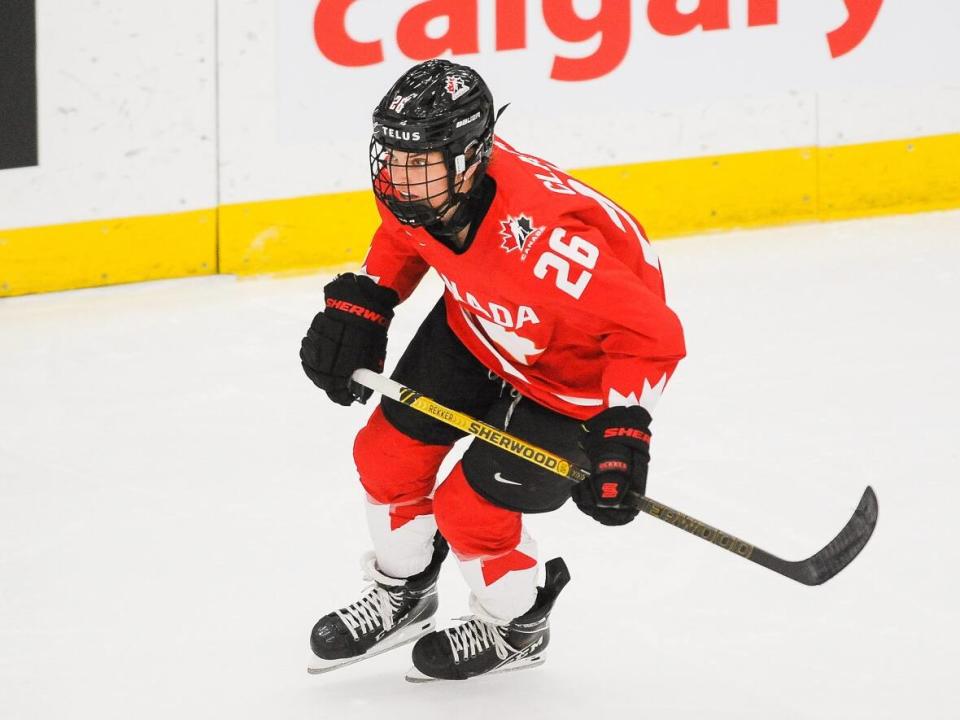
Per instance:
x=178, y=503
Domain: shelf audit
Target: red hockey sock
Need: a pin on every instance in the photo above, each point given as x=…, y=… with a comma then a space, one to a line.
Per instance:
x=497, y=558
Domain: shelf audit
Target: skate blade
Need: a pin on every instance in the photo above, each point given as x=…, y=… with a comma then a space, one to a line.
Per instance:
x=415, y=676
x=318, y=666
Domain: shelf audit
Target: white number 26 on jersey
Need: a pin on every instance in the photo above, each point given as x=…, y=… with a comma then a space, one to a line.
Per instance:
x=576, y=250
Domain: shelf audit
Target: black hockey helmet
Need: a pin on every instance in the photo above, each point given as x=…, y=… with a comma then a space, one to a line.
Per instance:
x=432, y=126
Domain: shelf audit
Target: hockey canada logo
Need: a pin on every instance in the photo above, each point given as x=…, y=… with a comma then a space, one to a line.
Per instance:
x=456, y=86
x=515, y=232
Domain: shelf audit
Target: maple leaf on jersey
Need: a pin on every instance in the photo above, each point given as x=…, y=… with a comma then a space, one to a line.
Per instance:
x=515, y=231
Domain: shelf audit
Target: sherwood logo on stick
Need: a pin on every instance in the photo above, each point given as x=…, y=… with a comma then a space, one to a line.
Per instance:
x=695, y=527
x=18, y=84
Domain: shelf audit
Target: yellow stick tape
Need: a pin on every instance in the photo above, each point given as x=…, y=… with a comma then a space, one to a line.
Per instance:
x=490, y=434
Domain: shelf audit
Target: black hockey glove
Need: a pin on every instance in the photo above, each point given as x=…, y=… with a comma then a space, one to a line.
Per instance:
x=617, y=442
x=350, y=333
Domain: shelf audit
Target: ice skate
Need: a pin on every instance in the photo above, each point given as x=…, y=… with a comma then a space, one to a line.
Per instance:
x=391, y=612
x=480, y=647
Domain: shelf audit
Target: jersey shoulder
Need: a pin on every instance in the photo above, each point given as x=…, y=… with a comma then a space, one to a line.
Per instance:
x=537, y=202
x=548, y=212
x=528, y=184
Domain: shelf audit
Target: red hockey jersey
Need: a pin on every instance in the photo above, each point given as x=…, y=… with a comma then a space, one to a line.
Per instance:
x=560, y=292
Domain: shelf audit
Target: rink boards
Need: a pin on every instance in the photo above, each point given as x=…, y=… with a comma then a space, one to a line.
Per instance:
x=175, y=140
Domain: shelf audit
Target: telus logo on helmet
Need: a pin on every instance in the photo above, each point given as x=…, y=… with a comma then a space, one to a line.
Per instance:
x=389, y=132
x=612, y=23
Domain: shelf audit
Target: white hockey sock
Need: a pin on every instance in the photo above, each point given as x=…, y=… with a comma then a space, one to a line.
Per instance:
x=505, y=587
x=402, y=536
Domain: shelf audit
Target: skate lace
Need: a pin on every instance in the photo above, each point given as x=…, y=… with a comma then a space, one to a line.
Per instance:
x=375, y=609
x=475, y=636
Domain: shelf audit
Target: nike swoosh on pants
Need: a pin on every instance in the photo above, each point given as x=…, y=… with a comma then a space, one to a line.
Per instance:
x=500, y=478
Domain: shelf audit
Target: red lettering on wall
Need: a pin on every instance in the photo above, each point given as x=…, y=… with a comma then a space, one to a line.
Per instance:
x=666, y=19
x=861, y=16
x=612, y=23
x=461, y=35
x=511, y=24
x=762, y=12
x=330, y=34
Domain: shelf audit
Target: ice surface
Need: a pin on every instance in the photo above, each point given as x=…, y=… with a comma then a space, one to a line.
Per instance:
x=178, y=503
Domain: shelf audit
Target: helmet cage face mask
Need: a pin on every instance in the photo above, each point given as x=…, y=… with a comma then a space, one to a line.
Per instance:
x=421, y=186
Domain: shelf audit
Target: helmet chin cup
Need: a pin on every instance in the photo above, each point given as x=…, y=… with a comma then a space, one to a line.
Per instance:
x=412, y=213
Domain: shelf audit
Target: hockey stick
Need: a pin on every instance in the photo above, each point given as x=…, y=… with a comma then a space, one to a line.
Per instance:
x=815, y=570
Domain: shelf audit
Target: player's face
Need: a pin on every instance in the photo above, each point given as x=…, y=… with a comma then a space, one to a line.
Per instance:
x=419, y=176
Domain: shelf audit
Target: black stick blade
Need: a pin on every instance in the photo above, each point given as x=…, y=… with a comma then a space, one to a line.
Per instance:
x=841, y=551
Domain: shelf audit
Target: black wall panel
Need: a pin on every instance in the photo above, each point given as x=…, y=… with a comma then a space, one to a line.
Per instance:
x=18, y=83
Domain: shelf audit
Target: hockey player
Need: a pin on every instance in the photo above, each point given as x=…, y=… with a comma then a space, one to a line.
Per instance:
x=553, y=325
